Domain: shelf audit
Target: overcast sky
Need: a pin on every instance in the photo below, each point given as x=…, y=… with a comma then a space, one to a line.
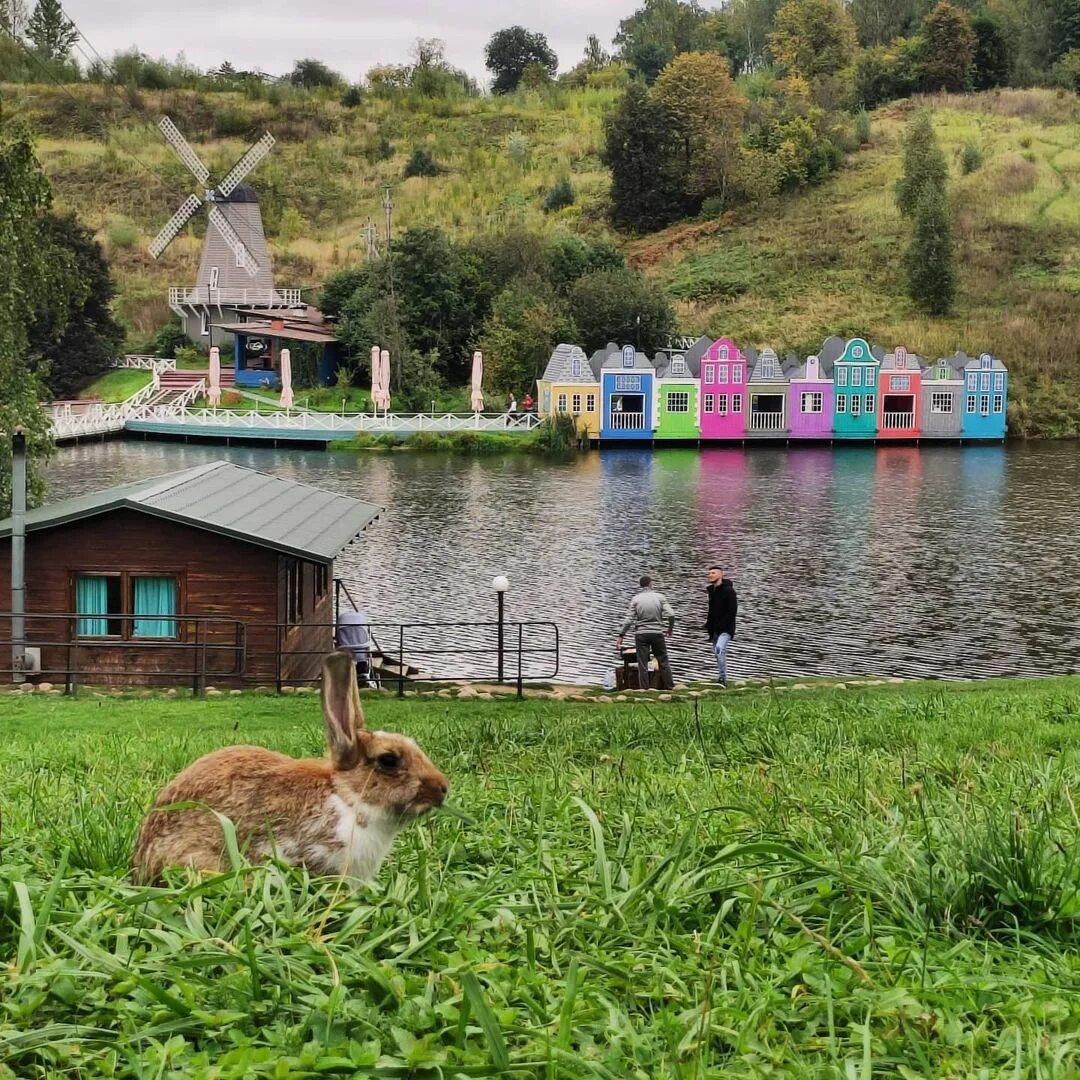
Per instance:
x=351, y=37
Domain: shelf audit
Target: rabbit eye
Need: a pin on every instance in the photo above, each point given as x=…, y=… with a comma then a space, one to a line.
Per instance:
x=388, y=761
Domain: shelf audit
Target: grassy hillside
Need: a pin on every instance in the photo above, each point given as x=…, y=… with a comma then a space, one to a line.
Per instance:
x=787, y=273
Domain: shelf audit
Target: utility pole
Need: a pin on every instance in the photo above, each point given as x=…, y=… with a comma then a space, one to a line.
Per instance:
x=388, y=207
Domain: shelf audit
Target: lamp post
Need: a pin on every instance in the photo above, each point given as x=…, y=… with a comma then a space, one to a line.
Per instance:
x=500, y=585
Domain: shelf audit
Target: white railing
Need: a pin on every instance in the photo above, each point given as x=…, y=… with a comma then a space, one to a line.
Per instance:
x=176, y=414
x=204, y=296
x=626, y=421
x=70, y=421
x=766, y=421
x=897, y=421
x=145, y=363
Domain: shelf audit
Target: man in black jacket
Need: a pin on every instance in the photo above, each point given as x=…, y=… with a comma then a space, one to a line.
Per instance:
x=723, y=607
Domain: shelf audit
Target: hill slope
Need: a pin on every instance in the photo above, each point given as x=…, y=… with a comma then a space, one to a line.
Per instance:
x=825, y=261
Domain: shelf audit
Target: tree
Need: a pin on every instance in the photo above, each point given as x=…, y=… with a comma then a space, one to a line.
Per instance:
x=750, y=22
x=699, y=94
x=813, y=37
x=648, y=58
x=30, y=287
x=51, y=31
x=880, y=21
x=930, y=272
x=313, y=73
x=91, y=337
x=924, y=163
x=948, y=48
x=1064, y=27
x=573, y=257
x=620, y=305
x=596, y=56
x=993, y=53
x=660, y=27
x=640, y=148
x=511, y=51
x=13, y=17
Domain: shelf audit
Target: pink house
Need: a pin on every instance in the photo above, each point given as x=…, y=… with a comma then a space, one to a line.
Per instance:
x=810, y=401
x=723, y=391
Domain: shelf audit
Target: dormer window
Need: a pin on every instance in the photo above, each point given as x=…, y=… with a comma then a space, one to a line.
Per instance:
x=575, y=367
x=678, y=365
x=986, y=361
x=722, y=353
x=901, y=360
x=629, y=356
x=856, y=351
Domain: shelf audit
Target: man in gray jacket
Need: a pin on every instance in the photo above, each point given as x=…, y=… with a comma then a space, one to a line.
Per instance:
x=653, y=620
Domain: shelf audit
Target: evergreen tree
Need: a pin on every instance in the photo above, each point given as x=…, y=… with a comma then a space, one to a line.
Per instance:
x=993, y=53
x=641, y=148
x=931, y=274
x=1064, y=27
x=948, y=49
x=924, y=163
x=51, y=31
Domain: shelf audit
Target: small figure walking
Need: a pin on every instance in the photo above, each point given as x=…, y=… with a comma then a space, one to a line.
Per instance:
x=653, y=621
x=528, y=404
x=720, y=625
x=511, y=407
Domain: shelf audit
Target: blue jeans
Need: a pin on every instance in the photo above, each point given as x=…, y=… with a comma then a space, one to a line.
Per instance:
x=720, y=647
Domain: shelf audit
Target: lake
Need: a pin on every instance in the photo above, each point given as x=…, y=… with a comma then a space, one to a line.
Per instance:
x=941, y=561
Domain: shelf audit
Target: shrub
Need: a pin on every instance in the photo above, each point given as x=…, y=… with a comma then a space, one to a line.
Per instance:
x=352, y=97
x=971, y=158
x=230, y=122
x=559, y=196
x=122, y=234
x=517, y=148
x=862, y=127
x=1017, y=175
x=168, y=340
x=421, y=163
x=556, y=434
x=1025, y=141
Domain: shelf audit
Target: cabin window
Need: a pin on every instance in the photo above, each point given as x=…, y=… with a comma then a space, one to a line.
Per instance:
x=99, y=601
x=628, y=383
x=869, y=403
x=856, y=404
x=575, y=368
x=856, y=376
x=722, y=373
x=769, y=368
x=900, y=382
x=710, y=403
x=841, y=376
x=294, y=591
x=629, y=356
x=213, y=277
x=590, y=403
x=722, y=352
x=973, y=381
x=562, y=403
x=870, y=377
x=678, y=402
x=971, y=403
x=576, y=402
x=812, y=403
x=736, y=373
x=986, y=361
x=710, y=373
x=856, y=351
x=240, y=258
x=943, y=372
x=204, y=323
x=984, y=404
x=721, y=404
x=901, y=359
x=322, y=580
x=985, y=380
x=999, y=381
x=127, y=605
x=153, y=599
x=678, y=365
x=841, y=403
x=999, y=403
x=941, y=402
x=736, y=403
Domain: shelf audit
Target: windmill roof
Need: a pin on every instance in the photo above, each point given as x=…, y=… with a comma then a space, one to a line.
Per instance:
x=242, y=193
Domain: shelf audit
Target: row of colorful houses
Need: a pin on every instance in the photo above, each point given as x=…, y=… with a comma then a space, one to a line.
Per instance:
x=716, y=391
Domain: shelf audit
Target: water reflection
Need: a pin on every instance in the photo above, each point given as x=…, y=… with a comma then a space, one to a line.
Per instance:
x=899, y=560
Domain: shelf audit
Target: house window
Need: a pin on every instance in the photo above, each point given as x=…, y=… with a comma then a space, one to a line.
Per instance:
x=999, y=403
x=941, y=402
x=204, y=323
x=629, y=356
x=678, y=402
x=678, y=365
x=721, y=404
x=841, y=376
x=590, y=403
x=856, y=404
x=841, y=403
x=736, y=373
x=710, y=373
x=322, y=580
x=710, y=403
x=576, y=403
x=900, y=359
x=294, y=591
x=856, y=376
x=984, y=404
x=575, y=368
x=628, y=383
x=973, y=381
x=768, y=368
x=869, y=403
x=736, y=403
x=986, y=361
x=971, y=403
x=900, y=382
x=722, y=374
x=722, y=352
x=812, y=403
x=126, y=605
x=985, y=380
x=240, y=258
x=213, y=277
x=999, y=381
x=942, y=372
x=856, y=351
x=562, y=403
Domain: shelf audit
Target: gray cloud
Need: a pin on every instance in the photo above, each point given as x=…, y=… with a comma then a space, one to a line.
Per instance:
x=271, y=34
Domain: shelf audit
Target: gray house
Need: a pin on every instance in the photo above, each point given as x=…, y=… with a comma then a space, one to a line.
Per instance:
x=224, y=291
x=942, y=399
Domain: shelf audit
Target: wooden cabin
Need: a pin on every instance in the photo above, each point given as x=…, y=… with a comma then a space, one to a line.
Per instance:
x=724, y=370
x=626, y=378
x=766, y=392
x=677, y=391
x=810, y=400
x=217, y=567
x=855, y=380
x=899, y=395
x=986, y=386
x=571, y=384
x=942, y=400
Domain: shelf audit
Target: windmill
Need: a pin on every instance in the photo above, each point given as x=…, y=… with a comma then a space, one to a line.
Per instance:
x=216, y=197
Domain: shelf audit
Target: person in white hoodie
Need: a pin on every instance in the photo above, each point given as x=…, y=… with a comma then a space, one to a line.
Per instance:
x=653, y=621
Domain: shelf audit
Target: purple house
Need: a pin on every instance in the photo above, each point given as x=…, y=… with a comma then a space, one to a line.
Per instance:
x=810, y=399
x=724, y=372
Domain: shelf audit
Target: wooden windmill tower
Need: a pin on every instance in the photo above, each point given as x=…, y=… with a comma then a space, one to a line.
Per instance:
x=235, y=273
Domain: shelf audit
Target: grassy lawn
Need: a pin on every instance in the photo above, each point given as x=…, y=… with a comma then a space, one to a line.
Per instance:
x=118, y=385
x=881, y=882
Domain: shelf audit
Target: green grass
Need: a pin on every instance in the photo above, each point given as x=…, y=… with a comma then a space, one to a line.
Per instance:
x=812, y=884
x=118, y=385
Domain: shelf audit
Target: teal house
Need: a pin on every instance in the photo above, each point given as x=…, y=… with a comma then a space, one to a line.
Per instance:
x=986, y=388
x=855, y=385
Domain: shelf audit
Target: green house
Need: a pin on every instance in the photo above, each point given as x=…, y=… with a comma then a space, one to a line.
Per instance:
x=677, y=389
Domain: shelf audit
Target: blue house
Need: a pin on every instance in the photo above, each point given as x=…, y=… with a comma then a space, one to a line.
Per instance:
x=855, y=384
x=986, y=393
x=626, y=388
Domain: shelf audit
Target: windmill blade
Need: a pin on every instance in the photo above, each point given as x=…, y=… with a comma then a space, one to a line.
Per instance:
x=246, y=164
x=232, y=238
x=175, y=224
x=183, y=150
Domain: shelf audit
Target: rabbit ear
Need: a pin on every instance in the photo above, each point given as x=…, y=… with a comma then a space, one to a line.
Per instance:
x=341, y=709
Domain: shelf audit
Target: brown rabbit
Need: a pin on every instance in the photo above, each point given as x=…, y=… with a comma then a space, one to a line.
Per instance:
x=335, y=817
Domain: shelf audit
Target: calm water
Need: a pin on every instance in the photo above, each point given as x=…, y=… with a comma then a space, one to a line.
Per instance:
x=899, y=561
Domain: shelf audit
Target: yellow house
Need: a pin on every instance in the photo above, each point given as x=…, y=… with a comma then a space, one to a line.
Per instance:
x=571, y=385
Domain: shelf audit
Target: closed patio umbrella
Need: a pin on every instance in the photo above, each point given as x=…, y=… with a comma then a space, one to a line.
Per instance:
x=213, y=391
x=286, y=379
x=478, y=382
x=384, y=381
x=376, y=374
